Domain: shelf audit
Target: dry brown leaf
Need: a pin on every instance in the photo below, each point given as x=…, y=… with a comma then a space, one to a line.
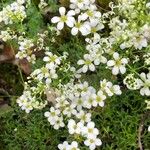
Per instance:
x=25, y=66
x=64, y=3
x=7, y=53
x=51, y=95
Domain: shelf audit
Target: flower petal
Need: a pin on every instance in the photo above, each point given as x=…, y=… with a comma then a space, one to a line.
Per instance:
x=111, y=63
x=115, y=70
x=116, y=56
x=71, y=13
x=74, y=31
x=92, y=67
x=80, y=62
x=60, y=25
x=62, y=11
x=55, y=19
x=70, y=22
x=84, y=68
x=122, y=69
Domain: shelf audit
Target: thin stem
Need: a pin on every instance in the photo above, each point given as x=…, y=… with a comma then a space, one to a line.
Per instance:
x=20, y=72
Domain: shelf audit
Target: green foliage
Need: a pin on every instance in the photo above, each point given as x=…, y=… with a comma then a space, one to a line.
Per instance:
x=118, y=122
x=35, y=23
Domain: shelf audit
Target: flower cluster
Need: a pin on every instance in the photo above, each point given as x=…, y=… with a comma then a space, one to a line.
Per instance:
x=47, y=72
x=25, y=50
x=28, y=47
x=75, y=100
x=14, y=12
x=27, y=101
x=142, y=83
x=7, y=35
x=88, y=20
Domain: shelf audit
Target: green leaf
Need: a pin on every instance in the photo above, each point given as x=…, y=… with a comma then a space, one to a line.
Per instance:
x=5, y=109
x=35, y=20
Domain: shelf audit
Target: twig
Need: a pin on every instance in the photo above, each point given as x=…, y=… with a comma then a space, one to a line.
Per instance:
x=140, y=130
x=139, y=136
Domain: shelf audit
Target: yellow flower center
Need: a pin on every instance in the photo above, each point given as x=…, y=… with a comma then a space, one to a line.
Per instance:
x=78, y=25
x=90, y=13
x=64, y=18
x=90, y=130
x=98, y=99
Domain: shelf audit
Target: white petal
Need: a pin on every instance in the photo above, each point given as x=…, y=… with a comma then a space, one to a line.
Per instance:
x=46, y=59
x=142, y=91
x=115, y=70
x=80, y=62
x=116, y=56
x=111, y=63
x=98, y=142
x=122, y=69
x=71, y=13
x=124, y=60
x=84, y=68
x=97, y=14
x=55, y=19
x=47, y=114
x=60, y=25
x=143, y=76
x=92, y=146
x=70, y=22
x=62, y=10
x=92, y=67
x=144, y=43
x=74, y=31
x=83, y=16
x=96, y=61
x=84, y=30
x=147, y=91
x=101, y=104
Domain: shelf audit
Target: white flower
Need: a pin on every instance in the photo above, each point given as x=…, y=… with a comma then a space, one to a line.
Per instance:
x=73, y=146
x=109, y=88
x=52, y=60
x=58, y=123
x=145, y=30
x=75, y=128
x=78, y=102
x=90, y=131
x=145, y=90
x=93, y=142
x=63, y=146
x=79, y=4
x=61, y=102
x=118, y=64
x=87, y=63
x=85, y=89
x=99, y=99
x=84, y=117
x=131, y=82
x=139, y=42
x=25, y=101
x=91, y=13
x=79, y=26
x=68, y=19
x=52, y=115
x=89, y=100
x=94, y=26
x=70, y=110
x=25, y=44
